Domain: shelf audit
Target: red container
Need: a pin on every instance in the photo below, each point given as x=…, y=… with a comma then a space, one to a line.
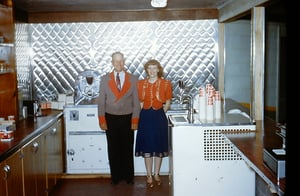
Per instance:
x=6, y=135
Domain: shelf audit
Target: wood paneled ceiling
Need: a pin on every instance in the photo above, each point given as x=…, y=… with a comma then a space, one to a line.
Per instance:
x=124, y=10
x=112, y=5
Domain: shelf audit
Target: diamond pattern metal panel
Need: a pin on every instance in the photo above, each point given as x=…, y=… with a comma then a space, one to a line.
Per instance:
x=60, y=51
x=23, y=61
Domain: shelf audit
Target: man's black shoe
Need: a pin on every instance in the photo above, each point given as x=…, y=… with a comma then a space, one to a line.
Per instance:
x=130, y=182
x=114, y=182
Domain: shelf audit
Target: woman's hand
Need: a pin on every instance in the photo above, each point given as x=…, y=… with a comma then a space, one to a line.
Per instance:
x=167, y=105
x=134, y=127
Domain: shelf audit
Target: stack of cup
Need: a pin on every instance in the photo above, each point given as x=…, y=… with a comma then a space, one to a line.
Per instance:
x=217, y=104
x=202, y=104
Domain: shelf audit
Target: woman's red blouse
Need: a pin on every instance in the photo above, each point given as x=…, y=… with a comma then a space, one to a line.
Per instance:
x=154, y=94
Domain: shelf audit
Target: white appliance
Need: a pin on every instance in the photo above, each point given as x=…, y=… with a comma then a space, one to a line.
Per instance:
x=86, y=148
x=199, y=166
x=86, y=145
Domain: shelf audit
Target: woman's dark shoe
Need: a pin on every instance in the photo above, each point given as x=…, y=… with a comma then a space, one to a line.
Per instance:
x=150, y=182
x=157, y=179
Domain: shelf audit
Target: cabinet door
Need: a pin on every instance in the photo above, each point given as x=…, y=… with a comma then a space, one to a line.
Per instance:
x=87, y=154
x=34, y=167
x=8, y=95
x=7, y=22
x=186, y=146
x=54, y=163
x=3, y=173
x=29, y=152
x=11, y=176
x=40, y=163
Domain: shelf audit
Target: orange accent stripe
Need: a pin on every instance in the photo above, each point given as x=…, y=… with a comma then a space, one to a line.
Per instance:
x=102, y=119
x=113, y=86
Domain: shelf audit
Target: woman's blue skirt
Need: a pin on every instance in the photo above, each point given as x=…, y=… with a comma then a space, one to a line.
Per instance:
x=152, y=134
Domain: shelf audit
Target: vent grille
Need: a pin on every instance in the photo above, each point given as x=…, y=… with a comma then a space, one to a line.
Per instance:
x=215, y=146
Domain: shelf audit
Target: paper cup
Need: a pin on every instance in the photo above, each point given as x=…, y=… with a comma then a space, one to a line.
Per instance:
x=11, y=118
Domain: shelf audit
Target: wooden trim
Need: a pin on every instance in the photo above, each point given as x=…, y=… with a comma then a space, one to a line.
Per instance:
x=82, y=176
x=122, y=16
x=266, y=108
x=257, y=62
x=270, y=108
x=246, y=105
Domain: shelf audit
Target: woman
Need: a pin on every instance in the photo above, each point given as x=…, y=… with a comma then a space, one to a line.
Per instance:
x=155, y=94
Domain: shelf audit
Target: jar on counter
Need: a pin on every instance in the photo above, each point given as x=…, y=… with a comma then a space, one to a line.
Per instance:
x=24, y=112
x=2, y=66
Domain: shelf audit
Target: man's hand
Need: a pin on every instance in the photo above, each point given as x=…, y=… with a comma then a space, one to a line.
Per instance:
x=103, y=126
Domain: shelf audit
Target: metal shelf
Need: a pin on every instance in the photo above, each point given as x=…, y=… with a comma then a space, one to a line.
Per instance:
x=7, y=44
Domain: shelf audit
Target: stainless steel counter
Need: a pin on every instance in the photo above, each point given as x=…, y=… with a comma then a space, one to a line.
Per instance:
x=233, y=114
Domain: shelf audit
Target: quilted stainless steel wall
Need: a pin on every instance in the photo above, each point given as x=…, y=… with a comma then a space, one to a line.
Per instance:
x=50, y=56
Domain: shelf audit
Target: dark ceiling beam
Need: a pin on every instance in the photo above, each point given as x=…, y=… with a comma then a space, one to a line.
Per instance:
x=235, y=9
x=122, y=16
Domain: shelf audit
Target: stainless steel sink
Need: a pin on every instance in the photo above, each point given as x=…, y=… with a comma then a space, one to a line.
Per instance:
x=178, y=119
x=178, y=113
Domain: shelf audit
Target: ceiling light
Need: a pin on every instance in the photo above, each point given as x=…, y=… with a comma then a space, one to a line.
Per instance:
x=159, y=3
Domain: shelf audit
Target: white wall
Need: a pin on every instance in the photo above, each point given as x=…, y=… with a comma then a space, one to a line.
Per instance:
x=238, y=59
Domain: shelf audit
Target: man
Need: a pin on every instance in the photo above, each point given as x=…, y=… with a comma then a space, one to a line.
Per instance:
x=119, y=108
